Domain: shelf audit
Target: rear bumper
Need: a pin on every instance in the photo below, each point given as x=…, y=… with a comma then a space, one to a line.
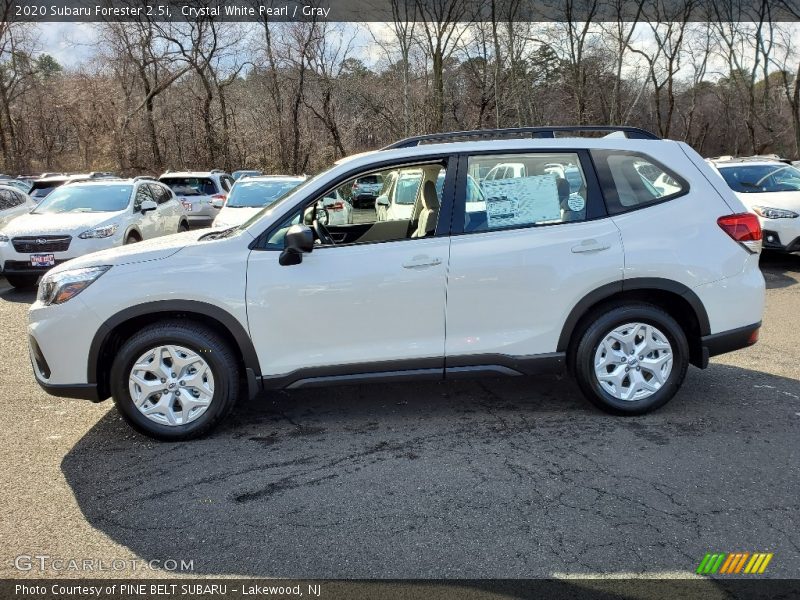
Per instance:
x=728, y=341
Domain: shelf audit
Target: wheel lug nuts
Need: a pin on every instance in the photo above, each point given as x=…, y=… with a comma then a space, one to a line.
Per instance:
x=182, y=383
x=174, y=375
x=641, y=357
x=163, y=380
x=177, y=393
x=638, y=368
x=624, y=359
x=627, y=369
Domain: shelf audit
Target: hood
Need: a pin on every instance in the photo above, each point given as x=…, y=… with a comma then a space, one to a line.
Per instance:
x=56, y=223
x=785, y=200
x=155, y=249
x=228, y=217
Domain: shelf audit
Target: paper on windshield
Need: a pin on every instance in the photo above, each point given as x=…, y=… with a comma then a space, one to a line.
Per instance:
x=521, y=201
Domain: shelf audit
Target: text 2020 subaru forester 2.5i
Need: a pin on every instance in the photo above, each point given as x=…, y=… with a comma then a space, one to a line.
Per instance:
x=623, y=282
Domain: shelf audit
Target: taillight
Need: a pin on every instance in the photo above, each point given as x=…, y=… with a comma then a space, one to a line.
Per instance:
x=744, y=228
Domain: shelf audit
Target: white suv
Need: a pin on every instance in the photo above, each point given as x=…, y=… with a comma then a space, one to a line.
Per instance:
x=81, y=218
x=623, y=286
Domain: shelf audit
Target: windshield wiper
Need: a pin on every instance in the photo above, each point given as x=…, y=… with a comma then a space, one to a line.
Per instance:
x=218, y=235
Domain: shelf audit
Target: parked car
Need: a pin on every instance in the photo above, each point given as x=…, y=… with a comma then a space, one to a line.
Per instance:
x=249, y=195
x=626, y=293
x=366, y=189
x=238, y=174
x=507, y=171
x=398, y=195
x=335, y=209
x=13, y=203
x=22, y=185
x=41, y=187
x=770, y=189
x=198, y=191
x=81, y=218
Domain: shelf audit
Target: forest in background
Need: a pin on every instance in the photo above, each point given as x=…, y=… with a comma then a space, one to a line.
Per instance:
x=293, y=97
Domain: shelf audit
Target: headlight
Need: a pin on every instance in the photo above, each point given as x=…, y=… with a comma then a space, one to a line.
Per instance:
x=99, y=232
x=774, y=213
x=57, y=288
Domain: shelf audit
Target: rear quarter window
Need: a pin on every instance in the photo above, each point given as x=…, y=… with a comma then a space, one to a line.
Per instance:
x=631, y=180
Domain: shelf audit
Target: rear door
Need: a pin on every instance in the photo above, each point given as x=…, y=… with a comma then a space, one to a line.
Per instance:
x=522, y=257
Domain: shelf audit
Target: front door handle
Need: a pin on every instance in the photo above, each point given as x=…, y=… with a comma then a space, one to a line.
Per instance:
x=590, y=246
x=422, y=261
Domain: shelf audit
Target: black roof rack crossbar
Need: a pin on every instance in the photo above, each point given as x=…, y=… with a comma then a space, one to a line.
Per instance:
x=533, y=132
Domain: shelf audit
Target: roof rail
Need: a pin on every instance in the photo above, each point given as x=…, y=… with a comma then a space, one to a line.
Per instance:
x=148, y=177
x=217, y=171
x=520, y=132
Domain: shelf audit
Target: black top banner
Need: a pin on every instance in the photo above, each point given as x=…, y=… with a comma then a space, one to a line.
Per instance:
x=444, y=11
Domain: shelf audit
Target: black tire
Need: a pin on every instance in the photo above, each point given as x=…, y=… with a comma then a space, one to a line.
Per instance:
x=605, y=321
x=183, y=227
x=217, y=353
x=132, y=239
x=22, y=282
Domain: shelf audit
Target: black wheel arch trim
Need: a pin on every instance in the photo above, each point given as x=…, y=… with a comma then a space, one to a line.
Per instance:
x=627, y=285
x=231, y=323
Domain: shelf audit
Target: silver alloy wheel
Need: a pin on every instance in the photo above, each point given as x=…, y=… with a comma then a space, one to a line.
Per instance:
x=171, y=385
x=633, y=361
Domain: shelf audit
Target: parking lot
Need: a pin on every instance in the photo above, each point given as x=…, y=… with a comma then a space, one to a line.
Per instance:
x=481, y=479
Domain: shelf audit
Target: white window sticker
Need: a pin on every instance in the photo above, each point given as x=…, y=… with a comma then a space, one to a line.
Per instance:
x=522, y=201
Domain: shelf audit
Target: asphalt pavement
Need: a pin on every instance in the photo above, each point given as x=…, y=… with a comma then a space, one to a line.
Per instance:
x=481, y=479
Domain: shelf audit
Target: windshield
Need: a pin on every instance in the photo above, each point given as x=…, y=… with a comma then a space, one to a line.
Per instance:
x=278, y=201
x=190, y=186
x=762, y=178
x=86, y=199
x=255, y=194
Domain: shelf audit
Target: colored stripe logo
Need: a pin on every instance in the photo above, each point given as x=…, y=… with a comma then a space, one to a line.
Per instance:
x=734, y=563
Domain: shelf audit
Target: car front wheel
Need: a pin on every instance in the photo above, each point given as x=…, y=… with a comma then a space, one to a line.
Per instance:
x=175, y=380
x=632, y=359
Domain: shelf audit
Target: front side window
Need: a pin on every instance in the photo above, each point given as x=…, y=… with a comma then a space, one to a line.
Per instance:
x=160, y=193
x=523, y=190
x=76, y=198
x=9, y=199
x=749, y=179
x=142, y=194
x=631, y=180
x=406, y=208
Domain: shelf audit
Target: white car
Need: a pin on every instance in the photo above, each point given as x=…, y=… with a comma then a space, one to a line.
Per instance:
x=397, y=198
x=13, y=203
x=250, y=194
x=335, y=209
x=770, y=189
x=625, y=292
x=202, y=193
x=81, y=218
x=508, y=171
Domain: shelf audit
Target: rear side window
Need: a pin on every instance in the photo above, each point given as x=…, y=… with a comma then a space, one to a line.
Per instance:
x=631, y=180
x=190, y=186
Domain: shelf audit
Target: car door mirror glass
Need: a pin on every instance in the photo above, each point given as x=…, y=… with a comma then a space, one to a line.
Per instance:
x=382, y=201
x=147, y=206
x=217, y=203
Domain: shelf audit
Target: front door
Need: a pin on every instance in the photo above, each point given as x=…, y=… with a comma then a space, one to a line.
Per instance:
x=371, y=302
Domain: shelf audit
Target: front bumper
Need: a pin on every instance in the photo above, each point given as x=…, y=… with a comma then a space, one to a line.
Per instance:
x=773, y=240
x=19, y=263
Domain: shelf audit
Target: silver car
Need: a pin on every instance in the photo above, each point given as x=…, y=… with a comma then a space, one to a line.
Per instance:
x=198, y=191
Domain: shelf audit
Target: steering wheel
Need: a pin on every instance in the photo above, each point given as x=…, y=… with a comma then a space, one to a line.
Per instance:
x=322, y=233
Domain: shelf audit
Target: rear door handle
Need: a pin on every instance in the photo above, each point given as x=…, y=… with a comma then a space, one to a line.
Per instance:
x=422, y=261
x=590, y=246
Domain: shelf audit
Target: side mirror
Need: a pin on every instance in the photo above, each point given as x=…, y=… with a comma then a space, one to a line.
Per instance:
x=147, y=206
x=382, y=200
x=299, y=240
x=217, y=203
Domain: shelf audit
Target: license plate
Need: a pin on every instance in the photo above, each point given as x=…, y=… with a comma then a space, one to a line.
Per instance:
x=43, y=260
x=187, y=206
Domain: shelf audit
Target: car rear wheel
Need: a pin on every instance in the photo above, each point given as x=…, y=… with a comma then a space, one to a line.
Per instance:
x=22, y=282
x=183, y=227
x=175, y=380
x=631, y=359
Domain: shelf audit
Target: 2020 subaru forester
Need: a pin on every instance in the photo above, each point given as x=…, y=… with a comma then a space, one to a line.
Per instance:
x=621, y=280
